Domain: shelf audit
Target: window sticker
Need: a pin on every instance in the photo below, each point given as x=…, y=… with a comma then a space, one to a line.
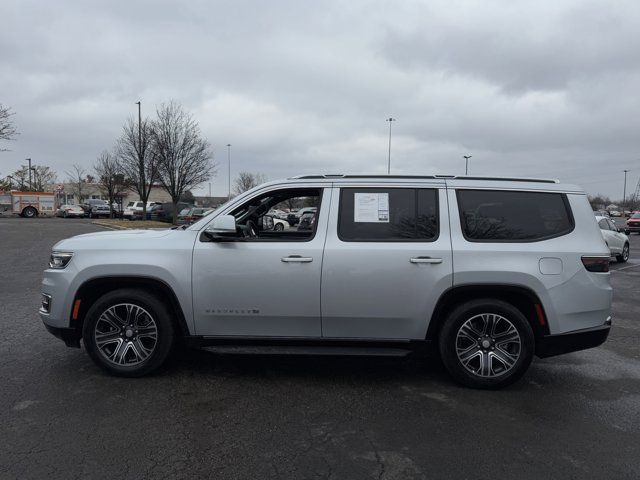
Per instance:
x=371, y=208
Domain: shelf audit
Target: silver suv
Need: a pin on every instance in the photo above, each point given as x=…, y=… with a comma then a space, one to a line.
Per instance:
x=485, y=271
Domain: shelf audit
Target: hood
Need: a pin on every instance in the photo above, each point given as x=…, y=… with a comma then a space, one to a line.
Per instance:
x=112, y=239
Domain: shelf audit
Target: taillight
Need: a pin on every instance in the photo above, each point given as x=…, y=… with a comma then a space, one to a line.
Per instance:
x=596, y=264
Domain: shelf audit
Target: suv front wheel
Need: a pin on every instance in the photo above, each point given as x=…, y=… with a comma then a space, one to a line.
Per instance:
x=128, y=332
x=486, y=343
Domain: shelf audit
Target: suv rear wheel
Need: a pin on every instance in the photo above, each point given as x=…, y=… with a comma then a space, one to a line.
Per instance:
x=128, y=332
x=486, y=343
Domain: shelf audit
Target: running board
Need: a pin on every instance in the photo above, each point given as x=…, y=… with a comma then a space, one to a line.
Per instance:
x=309, y=346
x=309, y=350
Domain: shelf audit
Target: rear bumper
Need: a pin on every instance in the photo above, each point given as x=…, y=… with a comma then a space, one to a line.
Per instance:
x=70, y=336
x=551, y=345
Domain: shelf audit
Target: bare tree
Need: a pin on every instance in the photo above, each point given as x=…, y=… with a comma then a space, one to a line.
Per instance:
x=21, y=177
x=7, y=128
x=184, y=157
x=43, y=178
x=78, y=180
x=138, y=161
x=598, y=201
x=246, y=181
x=111, y=179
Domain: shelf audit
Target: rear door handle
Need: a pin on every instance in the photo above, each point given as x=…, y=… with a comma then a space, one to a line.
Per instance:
x=425, y=260
x=296, y=259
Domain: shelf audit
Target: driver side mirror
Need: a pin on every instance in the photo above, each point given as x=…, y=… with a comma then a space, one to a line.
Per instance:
x=222, y=228
x=223, y=224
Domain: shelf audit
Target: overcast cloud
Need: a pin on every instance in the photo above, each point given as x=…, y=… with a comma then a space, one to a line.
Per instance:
x=528, y=88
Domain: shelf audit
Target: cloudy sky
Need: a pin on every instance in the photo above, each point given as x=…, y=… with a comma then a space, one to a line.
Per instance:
x=546, y=89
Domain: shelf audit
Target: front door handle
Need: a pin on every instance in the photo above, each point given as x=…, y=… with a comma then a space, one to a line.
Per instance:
x=296, y=259
x=425, y=260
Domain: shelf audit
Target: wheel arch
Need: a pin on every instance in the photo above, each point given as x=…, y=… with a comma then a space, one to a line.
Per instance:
x=521, y=297
x=92, y=289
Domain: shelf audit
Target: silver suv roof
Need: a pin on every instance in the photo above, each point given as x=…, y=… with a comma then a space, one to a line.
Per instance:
x=456, y=181
x=425, y=177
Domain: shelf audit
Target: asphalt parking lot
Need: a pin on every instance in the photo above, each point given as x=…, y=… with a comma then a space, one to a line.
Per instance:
x=230, y=416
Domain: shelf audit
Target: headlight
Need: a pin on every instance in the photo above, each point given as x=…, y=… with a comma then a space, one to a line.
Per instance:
x=59, y=260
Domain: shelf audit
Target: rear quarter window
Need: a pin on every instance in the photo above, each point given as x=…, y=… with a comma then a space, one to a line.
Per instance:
x=513, y=216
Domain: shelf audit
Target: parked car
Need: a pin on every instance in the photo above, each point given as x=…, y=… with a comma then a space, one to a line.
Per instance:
x=99, y=211
x=307, y=221
x=70, y=211
x=615, y=213
x=294, y=217
x=601, y=213
x=485, y=272
x=133, y=210
x=88, y=205
x=279, y=225
x=279, y=214
x=163, y=212
x=616, y=240
x=633, y=224
x=190, y=215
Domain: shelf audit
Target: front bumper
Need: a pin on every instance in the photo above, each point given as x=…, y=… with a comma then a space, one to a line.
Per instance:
x=551, y=345
x=70, y=336
x=632, y=228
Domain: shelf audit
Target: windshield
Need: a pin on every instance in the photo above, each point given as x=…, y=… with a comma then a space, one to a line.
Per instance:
x=636, y=215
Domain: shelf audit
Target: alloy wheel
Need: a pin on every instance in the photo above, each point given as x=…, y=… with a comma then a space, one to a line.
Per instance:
x=126, y=334
x=488, y=345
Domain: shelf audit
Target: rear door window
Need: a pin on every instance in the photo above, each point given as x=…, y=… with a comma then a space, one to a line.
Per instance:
x=513, y=216
x=388, y=214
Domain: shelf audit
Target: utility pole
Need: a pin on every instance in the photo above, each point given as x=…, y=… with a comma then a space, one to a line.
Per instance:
x=10, y=177
x=390, y=119
x=624, y=190
x=229, y=168
x=466, y=164
x=30, y=185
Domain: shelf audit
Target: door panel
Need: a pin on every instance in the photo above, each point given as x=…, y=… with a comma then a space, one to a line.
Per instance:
x=260, y=288
x=383, y=289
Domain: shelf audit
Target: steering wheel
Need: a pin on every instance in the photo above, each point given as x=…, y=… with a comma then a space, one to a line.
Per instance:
x=250, y=229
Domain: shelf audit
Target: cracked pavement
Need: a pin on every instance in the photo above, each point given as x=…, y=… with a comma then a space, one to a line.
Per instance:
x=251, y=416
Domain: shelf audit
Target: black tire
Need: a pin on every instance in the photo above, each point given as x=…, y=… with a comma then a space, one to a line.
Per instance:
x=625, y=254
x=449, y=341
x=157, y=310
x=278, y=227
x=29, y=212
x=64, y=214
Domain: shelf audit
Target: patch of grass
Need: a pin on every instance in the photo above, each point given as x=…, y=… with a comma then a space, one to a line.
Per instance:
x=128, y=224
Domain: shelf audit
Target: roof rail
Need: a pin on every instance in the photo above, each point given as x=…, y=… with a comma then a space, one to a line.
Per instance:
x=443, y=177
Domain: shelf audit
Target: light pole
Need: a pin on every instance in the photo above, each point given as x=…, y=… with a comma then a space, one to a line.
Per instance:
x=624, y=190
x=229, y=169
x=390, y=119
x=466, y=164
x=139, y=129
x=10, y=177
x=30, y=186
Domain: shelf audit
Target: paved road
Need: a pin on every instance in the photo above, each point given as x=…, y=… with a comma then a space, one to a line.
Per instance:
x=576, y=416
